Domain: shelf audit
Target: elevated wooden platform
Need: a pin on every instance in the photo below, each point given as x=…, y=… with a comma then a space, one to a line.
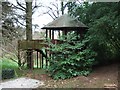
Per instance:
x=40, y=54
x=33, y=44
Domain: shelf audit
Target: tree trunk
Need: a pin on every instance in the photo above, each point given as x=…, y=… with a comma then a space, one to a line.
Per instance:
x=29, y=33
x=62, y=8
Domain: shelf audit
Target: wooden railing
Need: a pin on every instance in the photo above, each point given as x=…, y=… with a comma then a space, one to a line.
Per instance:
x=33, y=44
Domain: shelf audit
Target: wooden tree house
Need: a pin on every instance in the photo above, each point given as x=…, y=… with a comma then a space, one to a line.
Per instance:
x=64, y=24
x=61, y=25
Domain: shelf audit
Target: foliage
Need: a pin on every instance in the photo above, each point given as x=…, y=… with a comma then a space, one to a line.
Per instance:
x=8, y=68
x=70, y=58
x=6, y=9
x=8, y=64
x=9, y=30
x=105, y=39
x=102, y=20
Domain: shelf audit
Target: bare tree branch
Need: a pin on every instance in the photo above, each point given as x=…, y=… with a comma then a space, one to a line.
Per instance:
x=52, y=11
x=14, y=6
x=37, y=6
x=20, y=5
x=78, y=1
x=51, y=16
x=65, y=5
x=17, y=21
x=55, y=5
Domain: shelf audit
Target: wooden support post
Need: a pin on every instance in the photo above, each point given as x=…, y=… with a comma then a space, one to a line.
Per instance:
x=46, y=39
x=40, y=60
x=32, y=61
x=50, y=38
x=37, y=58
x=46, y=33
x=52, y=34
x=46, y=58
x=59, y=33
x=29, y=59
x=64, y=32
x=19, y=60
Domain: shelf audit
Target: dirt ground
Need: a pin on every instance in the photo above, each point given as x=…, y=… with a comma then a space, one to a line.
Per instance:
x=97, y=79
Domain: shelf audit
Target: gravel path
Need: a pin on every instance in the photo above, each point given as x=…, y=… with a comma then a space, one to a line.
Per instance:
x=22, y=83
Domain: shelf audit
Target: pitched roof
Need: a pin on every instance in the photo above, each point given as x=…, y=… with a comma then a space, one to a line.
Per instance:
x=65, y=21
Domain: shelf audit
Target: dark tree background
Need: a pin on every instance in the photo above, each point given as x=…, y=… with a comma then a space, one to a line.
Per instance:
x=104, y=33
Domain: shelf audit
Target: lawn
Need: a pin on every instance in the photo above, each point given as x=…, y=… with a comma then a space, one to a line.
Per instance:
x=8, y=64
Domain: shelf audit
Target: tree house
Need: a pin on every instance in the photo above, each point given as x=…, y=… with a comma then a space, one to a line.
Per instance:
x=64, y=24
x=58, y=27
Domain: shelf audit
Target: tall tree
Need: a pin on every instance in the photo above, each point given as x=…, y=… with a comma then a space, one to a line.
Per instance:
x=29, y=32
x=8, y=28
x=23, y=11
x=10, y=33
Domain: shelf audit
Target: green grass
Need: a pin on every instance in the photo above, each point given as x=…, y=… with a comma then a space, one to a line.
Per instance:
x=8, y=64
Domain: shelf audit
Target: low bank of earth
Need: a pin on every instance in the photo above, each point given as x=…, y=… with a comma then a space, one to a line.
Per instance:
x=97, y=79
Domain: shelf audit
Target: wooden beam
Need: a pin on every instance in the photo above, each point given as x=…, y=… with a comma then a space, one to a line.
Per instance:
x=40, y=60
x=52, y=34
x=37, y=58
x=46, y=58
x=46, y=33
x=59, y=33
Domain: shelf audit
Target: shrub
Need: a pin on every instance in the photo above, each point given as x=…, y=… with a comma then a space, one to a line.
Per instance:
x=70, y=58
